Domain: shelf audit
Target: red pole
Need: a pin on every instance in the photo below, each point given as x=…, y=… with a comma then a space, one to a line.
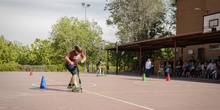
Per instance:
x=175, y=57
x=140, y=60
x=107, y=61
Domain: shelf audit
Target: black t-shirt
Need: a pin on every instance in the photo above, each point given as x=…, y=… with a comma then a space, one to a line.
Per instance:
x=181, y=62
x=192, y=60
x=98, y=64
x=179, y=67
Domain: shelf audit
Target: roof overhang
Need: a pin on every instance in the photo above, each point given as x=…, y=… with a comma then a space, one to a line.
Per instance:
x=182, y=40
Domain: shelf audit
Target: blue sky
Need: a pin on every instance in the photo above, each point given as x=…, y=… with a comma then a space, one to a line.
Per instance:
x=26, y=20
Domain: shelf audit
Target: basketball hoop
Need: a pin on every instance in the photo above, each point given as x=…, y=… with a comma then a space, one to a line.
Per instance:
x=211, y=23
x=102, y=45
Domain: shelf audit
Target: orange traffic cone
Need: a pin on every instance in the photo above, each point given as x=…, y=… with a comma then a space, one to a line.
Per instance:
x=31, y=73
x=168, y=77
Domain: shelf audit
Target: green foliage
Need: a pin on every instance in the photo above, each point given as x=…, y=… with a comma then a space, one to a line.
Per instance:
x=9, y=67
x=56, y=68
x=70, y=31
x=41, y=52
x=137, y=20
x=111, y=68
x=46, y=68
x=23, y=55
x=168, y=53
x=65, y=34
x=8, y=51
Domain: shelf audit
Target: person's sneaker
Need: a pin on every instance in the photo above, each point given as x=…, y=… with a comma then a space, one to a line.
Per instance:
x=70, y=86
x=76, y=87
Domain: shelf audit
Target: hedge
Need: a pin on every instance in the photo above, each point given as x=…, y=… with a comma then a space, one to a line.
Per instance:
x=47, y=68
x=9, y=67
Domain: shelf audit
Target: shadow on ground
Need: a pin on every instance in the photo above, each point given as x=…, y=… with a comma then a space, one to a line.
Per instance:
x=50, y=89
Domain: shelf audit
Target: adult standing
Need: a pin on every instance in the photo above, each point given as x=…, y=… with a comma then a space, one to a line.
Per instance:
x=148, y=67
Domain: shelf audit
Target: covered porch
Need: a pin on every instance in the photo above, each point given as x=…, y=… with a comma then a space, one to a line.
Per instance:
x=182, y=40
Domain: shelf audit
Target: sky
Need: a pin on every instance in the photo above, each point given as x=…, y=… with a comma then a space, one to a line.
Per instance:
x=26, y=20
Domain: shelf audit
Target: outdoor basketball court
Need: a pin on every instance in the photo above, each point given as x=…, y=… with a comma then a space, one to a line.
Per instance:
x=20, y=91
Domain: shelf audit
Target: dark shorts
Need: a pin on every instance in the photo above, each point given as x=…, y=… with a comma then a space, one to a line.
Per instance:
x=98, y=67
x=72, y=69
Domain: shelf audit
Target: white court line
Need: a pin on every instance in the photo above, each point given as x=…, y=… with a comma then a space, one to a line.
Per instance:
x=84, y=85
x=119, y=100
x=146, y=83
x=162, y=84
x=50, y=80
x=110, y=98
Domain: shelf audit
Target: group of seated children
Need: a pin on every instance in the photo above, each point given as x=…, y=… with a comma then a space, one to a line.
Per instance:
x=201, y=69
x=166, y=67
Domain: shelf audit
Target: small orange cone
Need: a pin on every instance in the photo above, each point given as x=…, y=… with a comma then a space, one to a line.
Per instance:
x=31, y=73
x=168, y=77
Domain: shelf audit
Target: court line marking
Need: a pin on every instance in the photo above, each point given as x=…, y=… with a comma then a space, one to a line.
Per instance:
x=86, y=91
x=161, y=84
x=130, y=102
x=90, y=85
x=159, y=91
x=119, y=100
x=50, y=80
x=147, y=83
x=13, y=84
x=23, y=95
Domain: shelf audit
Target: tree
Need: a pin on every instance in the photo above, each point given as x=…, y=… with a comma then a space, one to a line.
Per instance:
x=8, y=51
x=23, y=55
x=173, y=8
x=41, y=52
x=68, y=32
x=135, y=19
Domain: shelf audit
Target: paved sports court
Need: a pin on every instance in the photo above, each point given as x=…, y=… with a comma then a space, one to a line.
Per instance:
x=20, y=91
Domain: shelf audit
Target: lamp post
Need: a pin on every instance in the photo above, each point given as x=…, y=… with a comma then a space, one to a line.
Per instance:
x=86, y=6
x=199, y=9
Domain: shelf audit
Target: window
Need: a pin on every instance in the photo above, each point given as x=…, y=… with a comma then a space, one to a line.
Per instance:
x=214, y=47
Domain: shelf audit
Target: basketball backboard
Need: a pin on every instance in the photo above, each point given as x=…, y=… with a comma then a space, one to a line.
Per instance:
x=211, y=22
x=102, y=45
